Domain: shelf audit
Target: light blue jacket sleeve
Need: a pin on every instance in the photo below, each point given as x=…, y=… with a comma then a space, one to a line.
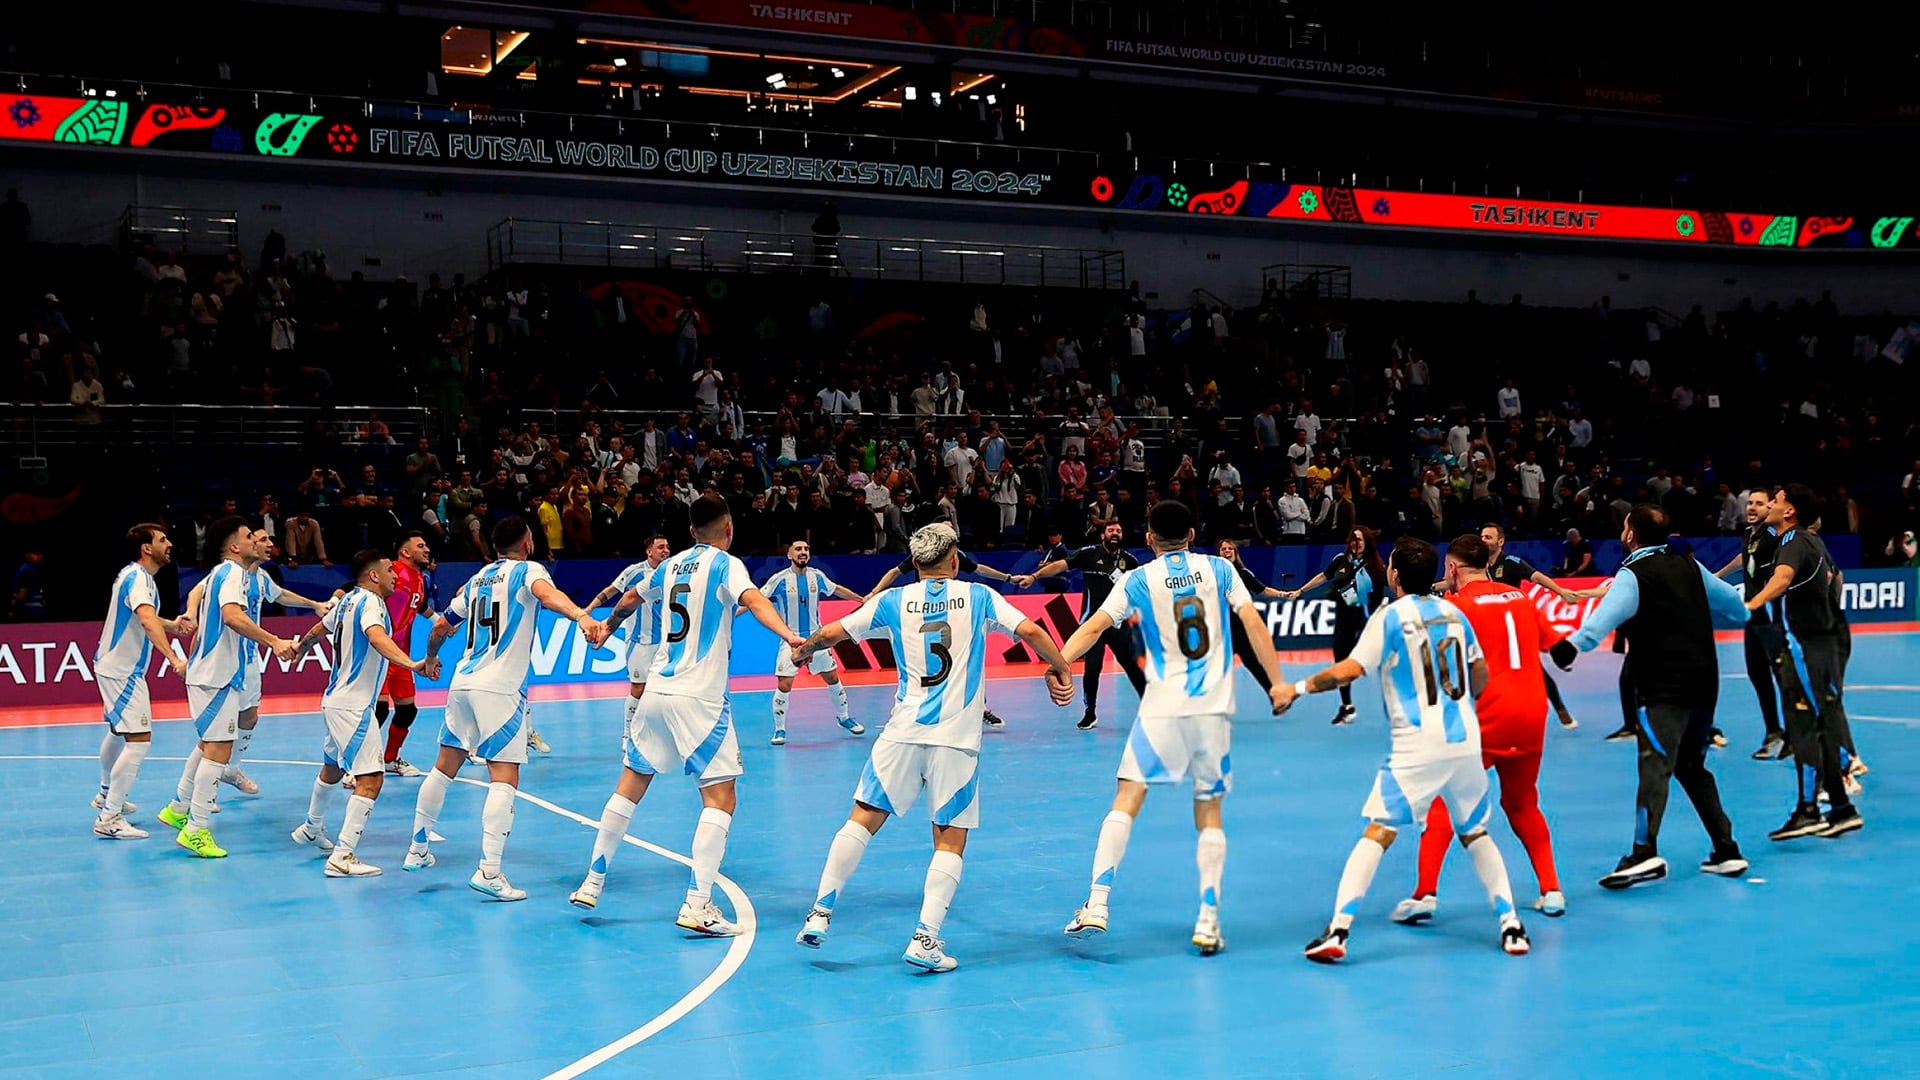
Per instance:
x=1621, y=603
x=1728, y=606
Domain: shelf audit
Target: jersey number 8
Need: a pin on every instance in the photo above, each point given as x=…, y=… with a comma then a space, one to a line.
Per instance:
x=1190, y=624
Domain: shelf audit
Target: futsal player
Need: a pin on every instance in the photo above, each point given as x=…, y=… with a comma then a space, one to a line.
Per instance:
x=408, y=598
x=1512, y=710
x=1359, y=585
x=363, y=649
x=795, y=591
x=216, y=676
x=133, y=629
x=931, y=744
x=644, y=638
x=1505, y=569
x=967, y=566
x=1183, y=601
x=1101, y=566
x=486, y=701
x=685, y=722
x=1431, y=669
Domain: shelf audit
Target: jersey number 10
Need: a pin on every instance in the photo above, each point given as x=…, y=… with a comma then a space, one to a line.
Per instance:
x=1451, y=669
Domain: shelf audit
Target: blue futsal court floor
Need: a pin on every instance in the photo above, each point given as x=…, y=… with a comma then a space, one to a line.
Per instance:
x=133, y=959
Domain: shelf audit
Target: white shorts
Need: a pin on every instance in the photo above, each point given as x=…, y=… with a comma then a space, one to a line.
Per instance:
x=820, y=663
x=898, y=772
x=492, y=727
x=1164, y=749
x=1405, y=789
x=128, y=710
x=683, y=733
x=353, y=741
x=250, y=684
x=215, y=711
x=639, y=662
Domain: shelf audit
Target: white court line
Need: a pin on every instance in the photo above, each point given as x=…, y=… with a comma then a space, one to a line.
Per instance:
x=737, y=948
x=1904, y=721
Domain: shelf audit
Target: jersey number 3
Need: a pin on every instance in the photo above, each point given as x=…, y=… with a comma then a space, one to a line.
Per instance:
x=939, y=650
x=1190, y=626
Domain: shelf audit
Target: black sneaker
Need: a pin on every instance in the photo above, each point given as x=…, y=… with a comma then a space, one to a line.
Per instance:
x=1727, y=862
x=1623, y=734
x=1088, y=721
x=1719, y=739
x=1842, y=821
x=1806, y=821
x=1330, y=947
x=1513, y=940
x=1773, y=746
x=1635, y=869
x=991, y=720
x=1345, y=715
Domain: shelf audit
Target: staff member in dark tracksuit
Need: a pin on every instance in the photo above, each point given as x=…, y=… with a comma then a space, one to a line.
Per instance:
x=1242, y=644
x=1101, y=566
x=1755, y=561
x=1665, y=603
x=1359, y=582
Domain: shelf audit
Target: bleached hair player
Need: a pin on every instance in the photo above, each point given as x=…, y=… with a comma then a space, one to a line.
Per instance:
x=685, y=722
x=1183, y=601
x=938, y=627
x=486, y=700
x=796, y=590
x=132, y=631
x=644, y=639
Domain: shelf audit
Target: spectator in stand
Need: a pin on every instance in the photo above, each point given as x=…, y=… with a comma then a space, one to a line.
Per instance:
x=423, y=466
x=1300, y=454
x=576, y=525
x=1072, y=472
x=546, y=511
x=28, y=602
x=1508, y=401
x=304, y=542
x=1224, y=474
x=1579, y=558
x=706, y=389
x=1294, y=515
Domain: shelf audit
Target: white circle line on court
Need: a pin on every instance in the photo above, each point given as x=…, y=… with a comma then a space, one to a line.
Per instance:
x=737, y=947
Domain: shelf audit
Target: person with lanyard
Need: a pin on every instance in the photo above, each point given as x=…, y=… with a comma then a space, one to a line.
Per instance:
x=1505, y=569
x=968, y=565
x=1358, y=582
x=1101, y=566
x=1242, y=644
x=1755, y=561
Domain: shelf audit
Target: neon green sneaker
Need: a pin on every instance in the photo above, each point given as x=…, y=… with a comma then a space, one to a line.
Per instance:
x=200, y=842
x=171, y=818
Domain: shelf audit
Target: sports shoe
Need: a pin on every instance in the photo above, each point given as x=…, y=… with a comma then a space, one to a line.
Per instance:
x=1842, y=821
x=536, y=743
x=925, y=952
x=171, y=818
x=1206, y=931
x=703, y=917
x=1330, y=947
x=1635, y=869
x=587, y=895
x=1089, y=920
x=1854, y=788
x=779, y=737
x=403, y=767
x=1773, y=746
x=1859, y=766
x=127, y=806
x=417, y=860
x=988, y=718
x=495, y=885
x=1806, y=821
x=200, y=842
x=814, y=932
x=852, y=726
x=1551, y=904
x=1088, y=720
x=308, y=833
x=240, y=781
x=343, y=864
x=1513, y=939
x=1414, y=911
x=1345, y=715
x=1719, y=739
x=118, y=827
x=1621, y=735
x=1727, y=862
x=1566, y=719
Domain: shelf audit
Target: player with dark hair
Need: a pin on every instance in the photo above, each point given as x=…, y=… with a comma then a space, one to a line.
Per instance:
x=1506, y=569
x=1759, y=547
x=132, y=631
x=409, y=598
x=1359, y=585
x=796, y=590
x=1101, y=567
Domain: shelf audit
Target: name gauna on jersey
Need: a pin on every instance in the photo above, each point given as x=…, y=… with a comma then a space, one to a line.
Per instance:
x=951, y=603
x=1185, y=580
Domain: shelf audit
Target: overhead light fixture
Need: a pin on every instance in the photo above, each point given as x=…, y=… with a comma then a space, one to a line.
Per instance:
x=837, y=73
x=936, y=97
x=619, y=61
x=777, y=80
x=991, y=99
x=913, y=94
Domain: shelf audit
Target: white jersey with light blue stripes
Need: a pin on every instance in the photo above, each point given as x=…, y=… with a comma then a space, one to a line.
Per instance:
x=1186, y=603
x=796, y=596
x=124, y=648
x=1423, y=650
x=698, y=590
x=501, y=615
x=220, y=655
x=938, y=628
x=644, y=626
x=358, y=668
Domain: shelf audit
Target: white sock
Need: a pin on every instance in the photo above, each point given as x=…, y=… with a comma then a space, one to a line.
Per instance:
x=206, y=780
x=633, y=706
x=1107, y=854
x=318, y=802
x=843, y=858
x=241, y=740
x=183, y=791
x=1492, y=870
x=496, y=821
x=943, y=879
x=709, y=846
x=359, y=807
x=126, y=768
x=839, y=700
x=426, y=808
x=613, y=827
x=780, y=710
x=1355, y=880
x=1211, y=855
x=110, y=745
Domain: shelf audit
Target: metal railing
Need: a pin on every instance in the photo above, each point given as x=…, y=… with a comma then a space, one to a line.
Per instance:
x=157, y=428
x=1328, y=282
x=528, y=241
x=181, y=229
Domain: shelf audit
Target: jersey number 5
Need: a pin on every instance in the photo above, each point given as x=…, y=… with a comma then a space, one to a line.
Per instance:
x=939, y=649
x=684, y=625
x=1190, y=626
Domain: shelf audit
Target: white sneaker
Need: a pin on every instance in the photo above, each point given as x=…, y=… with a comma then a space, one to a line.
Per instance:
x=853, y=727
x=402, y=767
x=307, y=834
x=779, y=737
x=1854, y=788
x=495, y=885
x=1413, y=912
x=704, y=917
x=343, y=864
x=417, y=860
x=925, y=952
x=126, y=806
x=587, y=895
x=538, y=744
x=815, y=930
x=239, y=780
x=1552, y=904
x=1091, y=919
x=118, y=827
x=1206, y=931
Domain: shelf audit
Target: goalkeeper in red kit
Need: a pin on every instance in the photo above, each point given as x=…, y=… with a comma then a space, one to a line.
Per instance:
x=1513, y=724
x=411, y=560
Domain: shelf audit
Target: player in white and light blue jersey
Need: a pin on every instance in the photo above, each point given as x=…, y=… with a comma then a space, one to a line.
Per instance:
x=486, y=701
x=938, y=627
x=796, y=591
x=643, y=640
x=363, y=647
x=685, y=722
x=133, y=629
x=1184, y=602
x=1430, y=669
